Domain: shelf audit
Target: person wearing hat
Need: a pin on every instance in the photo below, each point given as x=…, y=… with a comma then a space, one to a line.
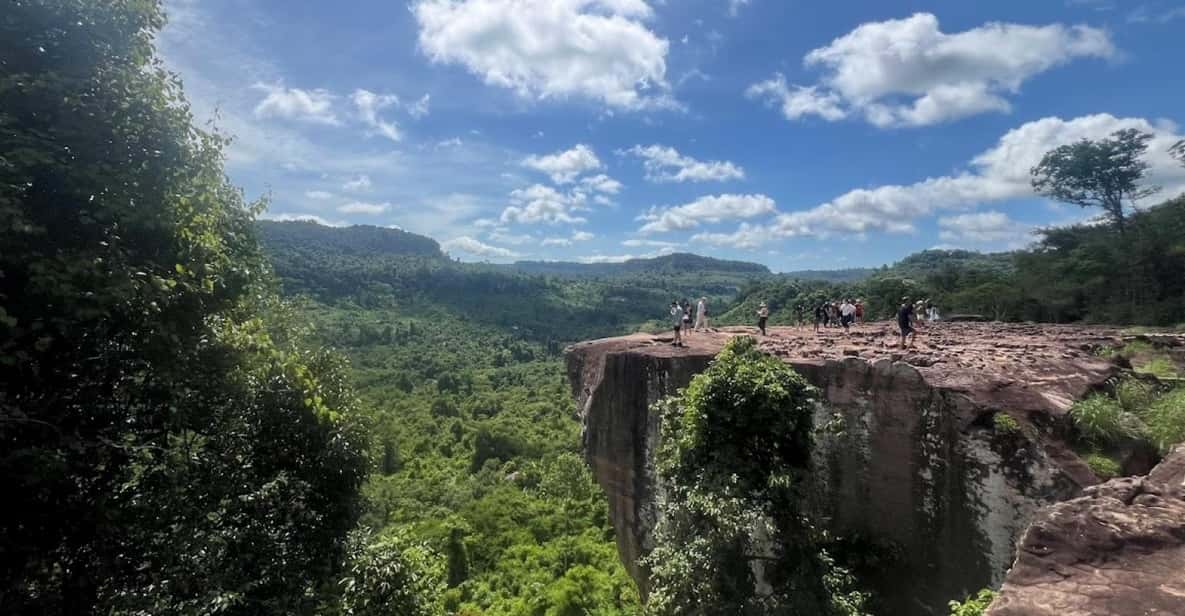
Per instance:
x=906, y=319
x=762, y=317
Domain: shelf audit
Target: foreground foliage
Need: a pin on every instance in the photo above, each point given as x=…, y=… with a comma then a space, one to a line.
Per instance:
x=734, y=537
x=166, y=445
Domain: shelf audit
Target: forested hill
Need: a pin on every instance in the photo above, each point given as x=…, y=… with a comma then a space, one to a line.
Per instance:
x=305, y=236
x=1089, y=272
x=674, y=263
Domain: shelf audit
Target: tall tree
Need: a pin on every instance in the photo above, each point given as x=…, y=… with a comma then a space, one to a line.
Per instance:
x=1104, y=173
x=734, y=537
x=166, y=445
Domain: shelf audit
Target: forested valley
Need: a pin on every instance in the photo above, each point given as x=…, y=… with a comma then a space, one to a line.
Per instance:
x=203, y=412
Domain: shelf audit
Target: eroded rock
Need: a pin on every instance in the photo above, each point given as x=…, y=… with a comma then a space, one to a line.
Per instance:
x=1119, y=550
x=911, y=458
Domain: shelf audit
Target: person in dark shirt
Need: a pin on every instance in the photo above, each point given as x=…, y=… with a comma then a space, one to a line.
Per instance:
x=906, y=320
x=820, y=316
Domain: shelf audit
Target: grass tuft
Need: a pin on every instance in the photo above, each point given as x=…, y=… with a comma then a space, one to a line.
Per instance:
x=1103, y=421
x=1005, y=424
x=1165, y=418
x=1104, y=466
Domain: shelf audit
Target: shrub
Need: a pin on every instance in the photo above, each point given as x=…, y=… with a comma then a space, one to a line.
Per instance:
x=1103, y=421
x=974, y=605
x=1103, y=465
x=1165, y=418
x=1134, y=395
x=1005, y=424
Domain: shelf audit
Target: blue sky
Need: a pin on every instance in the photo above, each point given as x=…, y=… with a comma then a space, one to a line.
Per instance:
x=799, y=135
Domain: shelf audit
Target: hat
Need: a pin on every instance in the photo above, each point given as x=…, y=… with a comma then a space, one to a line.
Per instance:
x=763, y=303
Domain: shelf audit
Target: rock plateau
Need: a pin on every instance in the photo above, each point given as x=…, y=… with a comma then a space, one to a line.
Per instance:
x=913, y=455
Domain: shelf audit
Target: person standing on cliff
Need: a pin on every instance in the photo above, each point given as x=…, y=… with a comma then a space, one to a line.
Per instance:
x=677, y=323
x=820, y=317
x=906, y=320
x=762, y=317
x=847, y=314
x=701, y=314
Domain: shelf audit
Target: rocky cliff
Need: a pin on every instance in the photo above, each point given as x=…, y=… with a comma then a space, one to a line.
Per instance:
x=916, y=455
x=1119, y=550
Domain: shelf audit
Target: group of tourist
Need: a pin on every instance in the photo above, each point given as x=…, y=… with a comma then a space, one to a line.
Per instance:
x=839, y=314
x=683, y=316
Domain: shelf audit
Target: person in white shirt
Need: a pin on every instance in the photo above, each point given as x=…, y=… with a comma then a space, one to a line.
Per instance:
x=701, y=314
x=677, y=323
x=847, y=314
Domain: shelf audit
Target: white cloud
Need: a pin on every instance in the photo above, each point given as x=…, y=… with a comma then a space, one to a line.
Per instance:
x=564, y=167
x=357, y=184
x=369, y=105
x=602, y=184
x=712, y=209
x=600, y=258
x=542, y=204
x=798, y=101
x=477, y=248
x=501, y=235
x=578, y=236
x=314, y=106
x=594, y=49
x=1142, y=15
x=362, y=207
x=419, y=108
x=666, y=164
x=907, y=72
x=734, y=6
x=998, y=174
x=637, y=243
x=990, y=227
x=318, y=195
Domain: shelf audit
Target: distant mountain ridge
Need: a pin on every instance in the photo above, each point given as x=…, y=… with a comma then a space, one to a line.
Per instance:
x=355, y=240
x=679, y=262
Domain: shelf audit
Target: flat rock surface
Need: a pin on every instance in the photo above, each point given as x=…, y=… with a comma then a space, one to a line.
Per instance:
x=1119, y=550
x=1015, y=366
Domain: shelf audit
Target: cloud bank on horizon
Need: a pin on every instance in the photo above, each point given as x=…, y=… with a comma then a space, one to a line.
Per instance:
x=600, y=130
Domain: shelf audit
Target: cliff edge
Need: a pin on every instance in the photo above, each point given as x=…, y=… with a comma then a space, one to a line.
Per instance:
x=914, y=458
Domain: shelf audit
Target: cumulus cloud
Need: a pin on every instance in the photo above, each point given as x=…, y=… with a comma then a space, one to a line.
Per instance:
x=313, y=106
x=470, y=246
x=362, y=207
x=542, y=204
x=798, y=101
x=369, y=105
x=711, y=209
x=318, y=195
x=357, y=184
x=601, y=183
x=582, y=236
x=666, y=164
x=998, y=174
x=907, y=72
x=989, y=227
x=564, y=167
x=734, y=6
x=594, y=49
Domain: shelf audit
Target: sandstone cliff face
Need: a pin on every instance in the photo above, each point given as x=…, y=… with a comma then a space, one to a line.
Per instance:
x=914, y=459
x=1119, y=550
